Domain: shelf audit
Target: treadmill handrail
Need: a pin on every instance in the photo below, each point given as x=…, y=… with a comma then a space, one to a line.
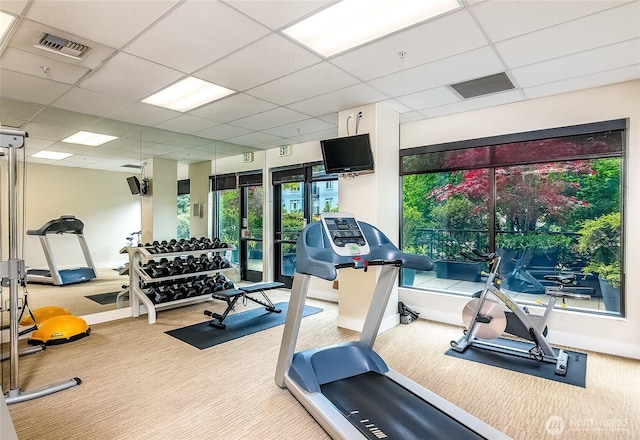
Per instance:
x=66, y=224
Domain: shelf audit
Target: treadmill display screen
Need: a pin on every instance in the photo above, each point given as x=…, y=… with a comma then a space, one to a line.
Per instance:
x=343, y=231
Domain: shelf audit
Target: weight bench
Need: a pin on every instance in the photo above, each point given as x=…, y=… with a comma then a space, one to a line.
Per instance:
x=231, y=297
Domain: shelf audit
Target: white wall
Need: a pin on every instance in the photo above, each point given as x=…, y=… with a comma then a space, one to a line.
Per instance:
x=621, y=101
x=100, y=199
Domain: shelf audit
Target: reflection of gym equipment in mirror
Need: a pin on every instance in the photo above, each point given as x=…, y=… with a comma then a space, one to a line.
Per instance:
x=66, y=224
x=347, y=387
x=485, y=319
x=12, y=272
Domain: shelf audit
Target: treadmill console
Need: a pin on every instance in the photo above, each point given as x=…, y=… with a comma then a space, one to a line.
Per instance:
x=344, y=234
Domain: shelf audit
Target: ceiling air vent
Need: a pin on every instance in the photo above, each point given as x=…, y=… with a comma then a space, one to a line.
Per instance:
x=483, y=86
x=62, y=46
x=137, y=167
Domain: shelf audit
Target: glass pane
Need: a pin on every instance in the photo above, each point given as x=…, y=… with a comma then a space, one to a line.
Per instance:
x=292, y=222
x=255, y=218
x=544, y=216
x=229, y=219
x=325, y=198
x=184, y=216
x=445, y=214
x=255, y=196
x=255, y=255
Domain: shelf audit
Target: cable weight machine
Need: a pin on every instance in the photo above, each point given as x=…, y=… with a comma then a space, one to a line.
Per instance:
x=12, y=272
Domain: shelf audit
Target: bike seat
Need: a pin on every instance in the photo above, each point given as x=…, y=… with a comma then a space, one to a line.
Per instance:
x=561, y=279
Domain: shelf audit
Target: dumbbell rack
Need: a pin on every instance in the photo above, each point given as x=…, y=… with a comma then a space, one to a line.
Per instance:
x=139, y=256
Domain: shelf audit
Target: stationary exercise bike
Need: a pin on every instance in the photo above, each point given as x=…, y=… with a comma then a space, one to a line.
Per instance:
x=493, y=313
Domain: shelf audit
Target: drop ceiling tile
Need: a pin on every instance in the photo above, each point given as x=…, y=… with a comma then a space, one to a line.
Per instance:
x=28, y=33
x=159, y=149
x=80, y=159
x=222, y=131
x=267, y=59
x=47, y=132
x=157, y=135
x=112, y=23
x=584, y=82
x=271, y=118
x=274, y=143
x=324, y=134
x=331, y=118
x=469, y=65
x=195, y=34
x=111, y=164
x=475, y=103
x=125, y=144
x=65, y=147
x=425, y=43
x=187, y=124
x=61, y=118
x=429, y=98
x=395, y=105
x=115, y=128
x=110, y=153
x=37, y=144
x=189, y=155
x=190, y=141
x=89, y=102
x=503, y=19
x=228, y=147
x=234, y=107
x=584, y=63
x=40, y=66
x=144, y=114
x=307, y=83
x=277, y=13
x=130, y=77
x=17, y=111
x=42, y=161
x=31, y=89
x=14, y=6
x=608, y=27
x=300, y=128
x=254, y=138
x=349, y=97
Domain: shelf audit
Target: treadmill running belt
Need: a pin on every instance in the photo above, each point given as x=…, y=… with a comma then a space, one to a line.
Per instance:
x=382, y=409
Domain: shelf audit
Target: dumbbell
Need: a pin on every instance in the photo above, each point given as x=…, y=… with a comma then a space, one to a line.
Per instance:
x=157, y=295
x=176, y=292
x=190, y=290
x=153, y=269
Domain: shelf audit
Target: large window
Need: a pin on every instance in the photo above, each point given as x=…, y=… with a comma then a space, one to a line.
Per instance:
x=547, y=202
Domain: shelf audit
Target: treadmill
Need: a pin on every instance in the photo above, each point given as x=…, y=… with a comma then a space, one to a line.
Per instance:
x=347, y=387
x=66, y=224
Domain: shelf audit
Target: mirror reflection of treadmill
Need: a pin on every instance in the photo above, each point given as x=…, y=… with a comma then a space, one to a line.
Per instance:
x=66, y=224
x=347, y=387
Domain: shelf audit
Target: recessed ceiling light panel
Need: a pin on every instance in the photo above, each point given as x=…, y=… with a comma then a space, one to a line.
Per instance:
x=188, y=94
x=6, y=22
x=89, y=138
x=351, y=23
x=55, y=155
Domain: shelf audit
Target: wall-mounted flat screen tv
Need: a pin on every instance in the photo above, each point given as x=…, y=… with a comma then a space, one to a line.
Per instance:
x=351, y=154
x=134, y=185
